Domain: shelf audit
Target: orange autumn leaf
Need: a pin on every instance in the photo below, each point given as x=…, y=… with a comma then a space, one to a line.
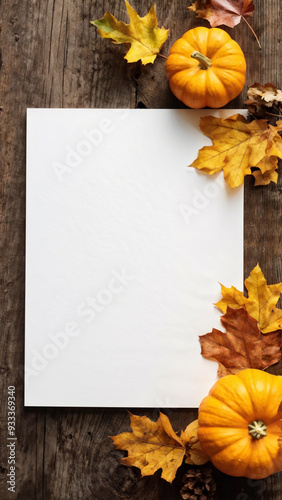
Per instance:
x=155, y=445
x=242, y=345
x=227, y=12
x=260, y=303
x=238, y=146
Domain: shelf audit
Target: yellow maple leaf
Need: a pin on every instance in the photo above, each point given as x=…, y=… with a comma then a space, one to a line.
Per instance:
x=238, y=146
x=155, y=445
x=276, y=147
x=260, y=303
x=142, y=33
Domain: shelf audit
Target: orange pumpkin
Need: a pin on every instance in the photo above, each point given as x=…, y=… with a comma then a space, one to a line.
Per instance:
x=206, y=68
x=240, y=427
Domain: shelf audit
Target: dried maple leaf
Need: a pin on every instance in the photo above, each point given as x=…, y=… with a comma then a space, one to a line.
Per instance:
x=152, y=446
x=238, y=146
x=155, y=445
x=227, y=12
x=218, y=12
x=260, y=303
x=242, y=346
x=142, y=33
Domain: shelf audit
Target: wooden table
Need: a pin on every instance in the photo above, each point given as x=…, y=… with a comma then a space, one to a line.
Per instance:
x=53, y=57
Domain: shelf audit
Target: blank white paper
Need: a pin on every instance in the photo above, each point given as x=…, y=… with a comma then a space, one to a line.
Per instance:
x=125, y=250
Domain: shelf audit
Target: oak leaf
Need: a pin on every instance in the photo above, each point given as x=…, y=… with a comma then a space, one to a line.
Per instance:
x=260, y=303
x=238, y=146
x=155, y=445
x=227, y=12
x=142, y=33
x=242, y=346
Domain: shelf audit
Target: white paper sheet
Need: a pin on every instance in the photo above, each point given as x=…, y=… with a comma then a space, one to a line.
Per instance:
x=125, y=249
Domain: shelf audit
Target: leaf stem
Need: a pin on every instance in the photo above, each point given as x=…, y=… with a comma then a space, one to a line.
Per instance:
x=162, y=55
x=265, y=113
x=273, y=114
x=277, y=108
x=255, y=35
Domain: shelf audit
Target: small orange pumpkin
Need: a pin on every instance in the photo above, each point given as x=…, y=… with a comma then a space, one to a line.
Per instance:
x=240, y=426
x=205, y=67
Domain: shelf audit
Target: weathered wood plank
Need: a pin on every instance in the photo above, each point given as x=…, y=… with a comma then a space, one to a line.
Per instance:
x=52, y=57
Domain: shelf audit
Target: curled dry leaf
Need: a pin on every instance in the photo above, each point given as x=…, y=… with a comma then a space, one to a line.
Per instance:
x=238, y=146
x=142, y=33
x=266, y=94
x=264, y=99
x=155, y=445
x=194, y=452
x=242, y=346
x=260, y=303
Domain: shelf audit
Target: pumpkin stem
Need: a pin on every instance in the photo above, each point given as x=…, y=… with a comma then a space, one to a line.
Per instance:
x=257, y=429
x=204, y=61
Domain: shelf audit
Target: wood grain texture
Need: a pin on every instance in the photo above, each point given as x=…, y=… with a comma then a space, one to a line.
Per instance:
x=52, y=57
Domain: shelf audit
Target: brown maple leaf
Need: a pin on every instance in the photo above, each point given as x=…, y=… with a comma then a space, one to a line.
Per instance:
x=155, y=445
x=260, y=303
x=218, y=12
x=242, y=346
x=227, y=12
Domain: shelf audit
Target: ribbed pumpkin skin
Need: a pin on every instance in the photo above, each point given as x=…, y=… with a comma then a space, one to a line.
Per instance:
x=234, y=402
x=215, y=86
